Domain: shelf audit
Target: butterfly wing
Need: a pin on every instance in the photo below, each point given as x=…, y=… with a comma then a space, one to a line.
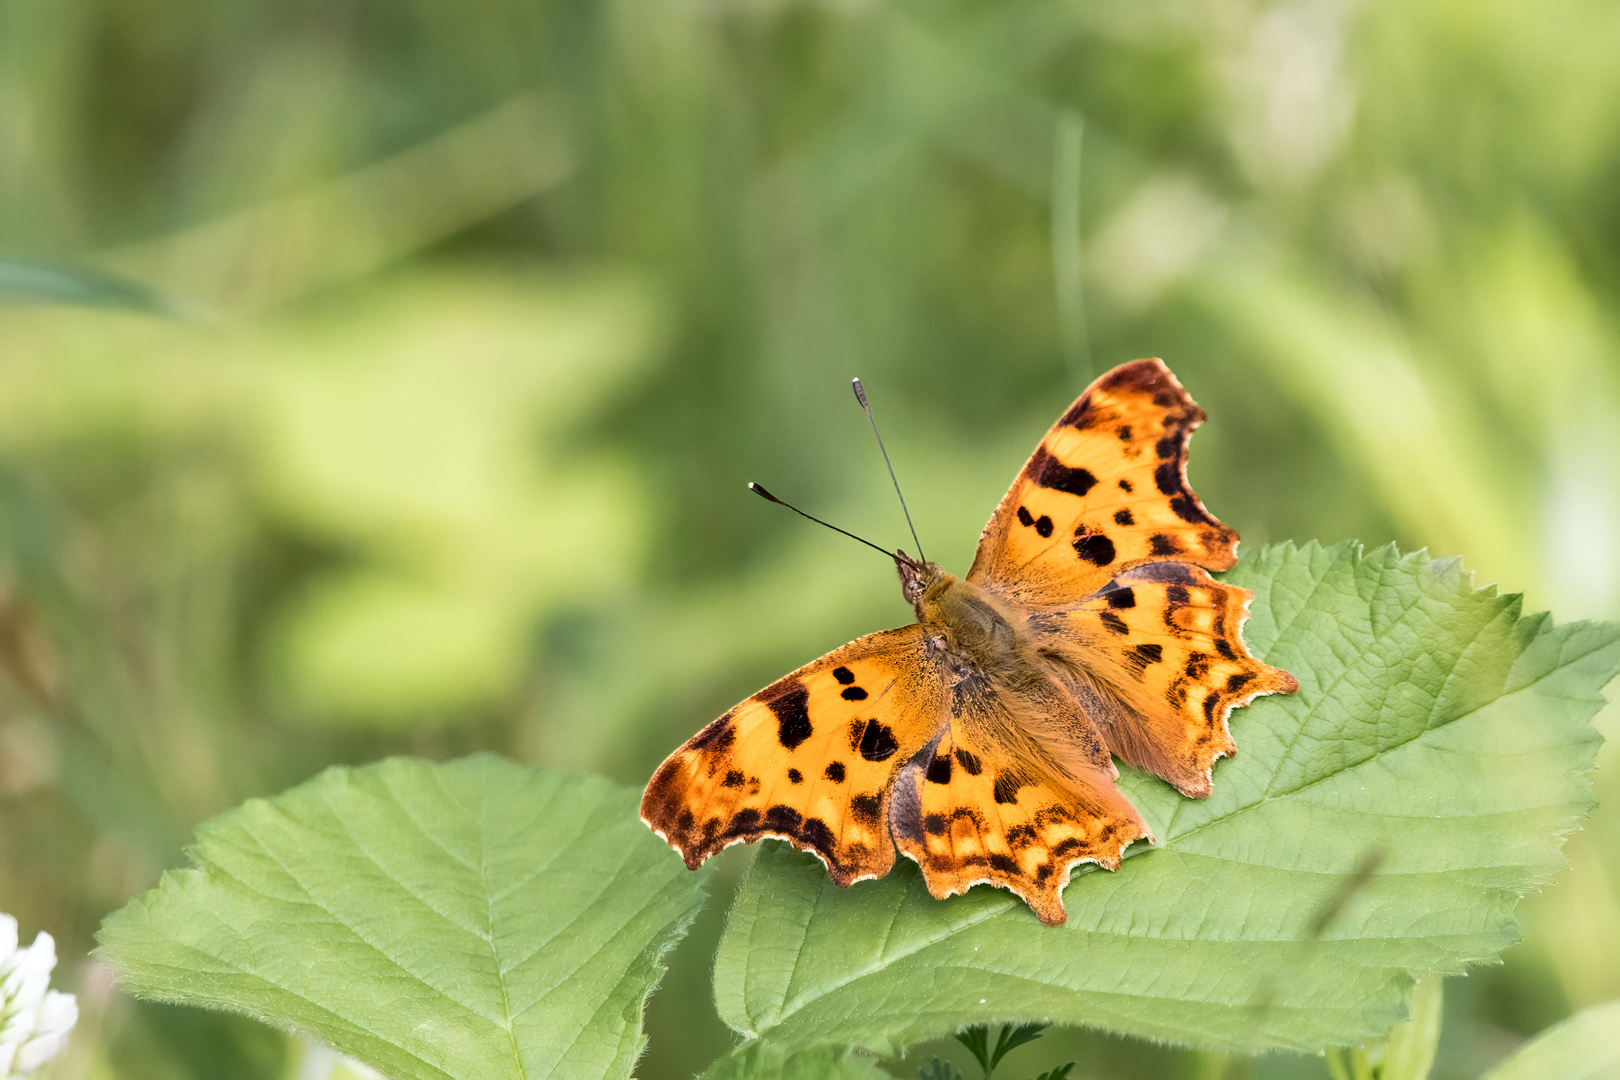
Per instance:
x=1157, y=662
x=1106, y=490
x=1103, y=539
x=1016, y=791
x=812, y=758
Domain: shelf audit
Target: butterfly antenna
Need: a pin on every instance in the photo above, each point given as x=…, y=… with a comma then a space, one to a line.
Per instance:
x=762, y=493
x=860, y=396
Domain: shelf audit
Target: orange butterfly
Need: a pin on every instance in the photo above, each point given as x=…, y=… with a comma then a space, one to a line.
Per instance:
x=981, y=738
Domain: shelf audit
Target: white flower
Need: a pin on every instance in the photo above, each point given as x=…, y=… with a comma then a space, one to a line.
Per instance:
x=34, y=1019
x=324, y=1063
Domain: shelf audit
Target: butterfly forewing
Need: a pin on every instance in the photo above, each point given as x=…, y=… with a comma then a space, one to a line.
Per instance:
x=811, y=758
x=1105, y=491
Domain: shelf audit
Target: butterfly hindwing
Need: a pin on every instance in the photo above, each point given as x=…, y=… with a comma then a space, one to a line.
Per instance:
x=812, y=758
x=998, y=801
x=1157, y=661
x=1105, y=491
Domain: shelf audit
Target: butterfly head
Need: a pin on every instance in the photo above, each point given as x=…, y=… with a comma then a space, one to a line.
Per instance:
x=917, y=576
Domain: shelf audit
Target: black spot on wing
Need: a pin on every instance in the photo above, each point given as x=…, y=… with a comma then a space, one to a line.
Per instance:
x=1224, y=649
x=734, y=778
x=1114, y=622
x=1121, y=598
x=789, y=699
x=1043, y=526
x=782, y=818
x=1050, y=473
x=939, y=770
x=1237, y=682
x=1024, y=517
x=717, y=737
x=853, y=693
x=795, y=776
x=1051, y=815
x=744, y=821
x=1004, y=863
x=1005, y=789
x=1186, y=509
x=1094, y=548
x=934, y=824
x=844, y=675
x=814, y=832
x=877, y=742
x=664, y=791
x=1143, y=655
x=1167, y=477
x=1124, y=432
x=1080, y=414
x=1164, y=545
x=834, y=772
x=1123, y=517
x=1176, y=594
x=866, y=809
x=1126, y=486
x=969, y=762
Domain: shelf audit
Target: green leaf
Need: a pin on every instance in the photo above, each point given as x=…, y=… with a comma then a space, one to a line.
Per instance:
x=1382, y=821
x=1406, y=1051
x=473, y=920
x=1584, y=1047
x=938, y=1069
x=761, y=1061
x=977, y=1040
x=54, y=284
x=1012, y=1038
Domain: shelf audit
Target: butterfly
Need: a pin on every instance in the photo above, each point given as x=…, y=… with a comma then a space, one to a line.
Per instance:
x=980, y=740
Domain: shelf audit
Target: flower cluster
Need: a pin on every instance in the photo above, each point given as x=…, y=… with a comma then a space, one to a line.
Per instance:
x=34, y=1019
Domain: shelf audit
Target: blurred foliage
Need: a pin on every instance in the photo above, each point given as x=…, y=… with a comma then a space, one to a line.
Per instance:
x=498, y=304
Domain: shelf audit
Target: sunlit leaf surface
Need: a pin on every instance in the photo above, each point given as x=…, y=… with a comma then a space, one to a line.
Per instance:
x=470, y=920
x=1584, y=1047
x=1382, y=821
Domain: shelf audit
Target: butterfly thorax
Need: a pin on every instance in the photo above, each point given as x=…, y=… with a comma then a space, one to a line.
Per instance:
x=974, y=625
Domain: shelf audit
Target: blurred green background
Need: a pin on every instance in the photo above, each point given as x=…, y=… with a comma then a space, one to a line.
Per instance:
x=487, y=311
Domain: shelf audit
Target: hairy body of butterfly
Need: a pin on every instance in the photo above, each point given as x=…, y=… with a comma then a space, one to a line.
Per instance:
x=980, y=739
